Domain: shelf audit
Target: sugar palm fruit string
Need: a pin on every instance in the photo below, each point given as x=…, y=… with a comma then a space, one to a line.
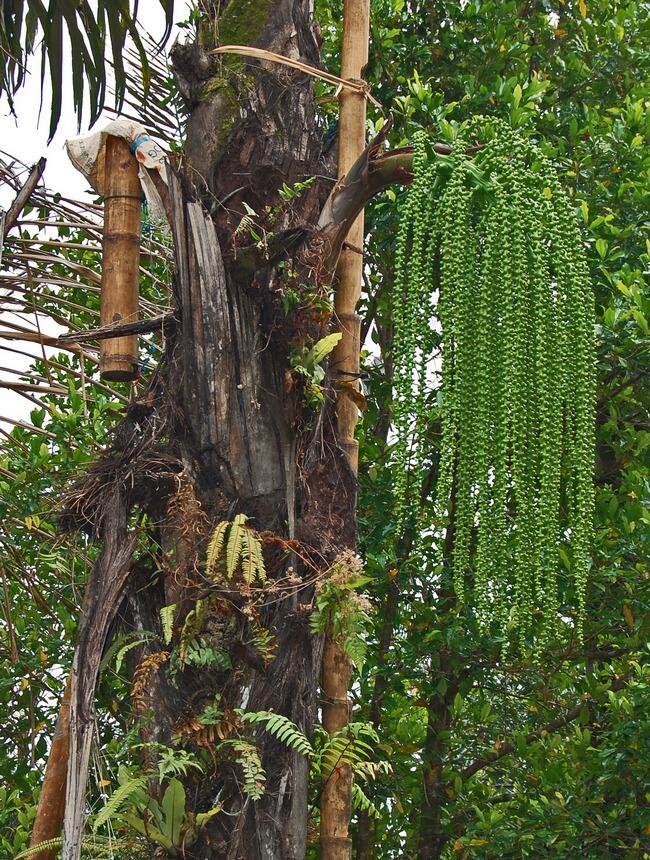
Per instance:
x=456, y=271
x=412, y=293
x=517, y=389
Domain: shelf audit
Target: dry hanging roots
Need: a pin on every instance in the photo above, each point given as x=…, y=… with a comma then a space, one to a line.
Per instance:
x=149, y=664
x=489, y=243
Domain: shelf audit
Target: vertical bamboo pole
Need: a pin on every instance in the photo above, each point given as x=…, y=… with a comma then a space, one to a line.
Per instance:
x=51, y=803
x=335, y=843
x=349, y=273
x=120, y=259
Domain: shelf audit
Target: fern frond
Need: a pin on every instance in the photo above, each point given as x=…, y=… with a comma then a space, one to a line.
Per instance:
x=235, y=544
x=121, y=645
x=97, y=846
x=118, y=799
x=124, y=650
x=346, y=747
x=282, y=728
x=255, y=550
x=167, y=619
x=252, y=559
x=248, y=568
x=215, y=547
x=48, y=845
x=248, y=757
x=356, y=729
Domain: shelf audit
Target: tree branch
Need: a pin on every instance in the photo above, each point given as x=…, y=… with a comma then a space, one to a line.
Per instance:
x=157, y=323
x=13, y=213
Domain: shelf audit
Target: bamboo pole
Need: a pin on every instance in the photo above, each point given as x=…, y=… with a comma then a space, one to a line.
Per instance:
x=335, y=807
x=120, y=259
x=51, y=803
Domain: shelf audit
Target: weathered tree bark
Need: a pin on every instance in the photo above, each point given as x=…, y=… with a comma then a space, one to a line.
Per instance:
x=102, y=598
x=241, y=429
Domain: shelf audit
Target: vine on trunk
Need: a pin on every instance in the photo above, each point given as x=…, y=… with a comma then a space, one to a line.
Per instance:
x=492, y=237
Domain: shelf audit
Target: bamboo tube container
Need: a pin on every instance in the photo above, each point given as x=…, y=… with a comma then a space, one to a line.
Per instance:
x=335, y=805
x=120, y=259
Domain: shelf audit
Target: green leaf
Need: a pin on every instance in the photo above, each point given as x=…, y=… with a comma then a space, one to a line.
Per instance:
x=124, y=650
x=117, y=800
x=145, y=828
x=215, y=547
x=173, y=807
x=202, y=818
x=235, y=544
x=322, y=348
x=167, y=619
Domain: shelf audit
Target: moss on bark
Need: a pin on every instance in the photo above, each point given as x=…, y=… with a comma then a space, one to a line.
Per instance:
x=242, y=22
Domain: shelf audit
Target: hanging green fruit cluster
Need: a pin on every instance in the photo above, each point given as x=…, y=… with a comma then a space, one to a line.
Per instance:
x=489, y=247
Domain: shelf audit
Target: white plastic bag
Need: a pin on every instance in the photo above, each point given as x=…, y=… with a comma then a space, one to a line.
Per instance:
x=88, y=153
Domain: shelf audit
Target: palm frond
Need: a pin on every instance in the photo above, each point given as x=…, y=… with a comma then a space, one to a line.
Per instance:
x=151, y=96
x=74, y=35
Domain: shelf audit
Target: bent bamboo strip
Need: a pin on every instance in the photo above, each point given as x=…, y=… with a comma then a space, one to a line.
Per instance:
x=356, y=85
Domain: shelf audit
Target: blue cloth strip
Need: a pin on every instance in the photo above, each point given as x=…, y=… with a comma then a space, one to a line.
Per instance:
x=136, y=143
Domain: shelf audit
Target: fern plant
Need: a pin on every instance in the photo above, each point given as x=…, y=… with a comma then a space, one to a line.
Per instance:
x=345, y=747
x=307, y=365
x=248, y=758
x=166, y=822
x=194, y=621
x=167, y=620
x=234, y=549
x=128, y=789
x=280, y=727
x=340, y=608
x=352, y=746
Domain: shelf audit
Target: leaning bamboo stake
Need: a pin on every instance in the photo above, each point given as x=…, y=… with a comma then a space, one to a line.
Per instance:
x=51, y=803
x=335, y=806
x=120, y=259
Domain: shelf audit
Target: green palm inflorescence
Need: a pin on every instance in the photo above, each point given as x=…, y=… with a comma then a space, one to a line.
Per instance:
x=489, y=244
